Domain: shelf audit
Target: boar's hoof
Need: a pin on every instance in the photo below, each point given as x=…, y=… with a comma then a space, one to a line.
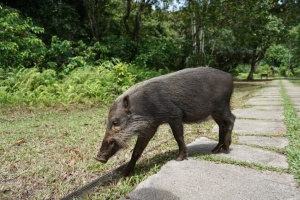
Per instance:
x=218, y=148
x=127, y=171
x=226, y=148
x=181, y=157
x=101, y=159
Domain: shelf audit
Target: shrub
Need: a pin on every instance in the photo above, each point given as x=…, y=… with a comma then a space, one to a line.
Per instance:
x=86, y=84
x=263, y=69
x=19, y=44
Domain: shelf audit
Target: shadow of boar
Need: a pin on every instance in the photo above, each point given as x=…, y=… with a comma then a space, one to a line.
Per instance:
x=189, y=95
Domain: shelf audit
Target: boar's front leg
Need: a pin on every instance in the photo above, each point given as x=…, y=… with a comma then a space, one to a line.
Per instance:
x=141, y=144
x=177, y=129
x=225, y=121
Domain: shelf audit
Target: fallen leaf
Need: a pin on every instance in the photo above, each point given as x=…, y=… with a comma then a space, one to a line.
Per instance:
x=79, y=154
x=74, y=160
x=67, y=149
x=279, y=133
x=20, y=141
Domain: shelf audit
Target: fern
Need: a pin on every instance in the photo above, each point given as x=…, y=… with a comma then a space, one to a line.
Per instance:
x=83, y=85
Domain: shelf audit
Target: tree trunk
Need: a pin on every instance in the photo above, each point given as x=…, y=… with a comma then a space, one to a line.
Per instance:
x=194, y=32
x=253, y=64
x=126, y=17
x=257, y=55
x=90, y=6
x=138, y=20
x=250, y=75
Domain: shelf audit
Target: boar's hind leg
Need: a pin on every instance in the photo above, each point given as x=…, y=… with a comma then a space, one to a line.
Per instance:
x=177, y=129
x=225, y=121
x=141, y=144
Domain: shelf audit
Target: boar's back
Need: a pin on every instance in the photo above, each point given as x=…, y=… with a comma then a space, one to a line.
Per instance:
x=192, y=94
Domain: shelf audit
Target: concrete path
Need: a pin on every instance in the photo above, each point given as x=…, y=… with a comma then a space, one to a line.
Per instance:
x=261, y=125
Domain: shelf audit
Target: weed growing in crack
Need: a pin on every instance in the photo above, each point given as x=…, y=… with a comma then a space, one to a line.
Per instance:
x=292, y=123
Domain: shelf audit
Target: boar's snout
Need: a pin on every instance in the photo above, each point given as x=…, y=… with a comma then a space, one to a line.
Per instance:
x=101, y=158
x=107, y=150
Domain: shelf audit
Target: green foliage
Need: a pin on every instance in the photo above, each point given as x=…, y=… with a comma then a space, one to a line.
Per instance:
x=277, y=55
x=264, y=69
x=21, y=47
x=283, y=71
x=65, y=56
x=241, y=68
x=292, y=123
x=19, y=44
x=283, y=59
x=162, y=46
x=79, y=33
x=85, y=84
x=294, y=48
x=87, y=33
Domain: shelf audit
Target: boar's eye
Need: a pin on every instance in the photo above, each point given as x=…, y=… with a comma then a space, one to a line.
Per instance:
x=115, y=122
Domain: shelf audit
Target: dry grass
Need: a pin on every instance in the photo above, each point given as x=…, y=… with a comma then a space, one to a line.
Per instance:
x=46, y=154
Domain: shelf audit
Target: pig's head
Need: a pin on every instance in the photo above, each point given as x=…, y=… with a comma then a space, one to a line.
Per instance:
x=117, y=130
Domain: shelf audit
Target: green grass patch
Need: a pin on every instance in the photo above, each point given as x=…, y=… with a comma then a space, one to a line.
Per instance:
x=292, y=123
x=268, y=148
x=257, y=166
x=295, y=81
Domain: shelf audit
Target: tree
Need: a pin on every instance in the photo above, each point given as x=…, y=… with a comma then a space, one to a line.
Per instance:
x=293, y=46
x=220, y=34
x=63, y=18
x=19, y=42
x=277, y=55
x=253, y=27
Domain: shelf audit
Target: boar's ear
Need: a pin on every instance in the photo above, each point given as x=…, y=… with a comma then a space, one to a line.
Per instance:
x=126, y=103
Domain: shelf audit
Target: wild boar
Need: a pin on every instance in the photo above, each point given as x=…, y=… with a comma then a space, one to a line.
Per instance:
x=186, y=96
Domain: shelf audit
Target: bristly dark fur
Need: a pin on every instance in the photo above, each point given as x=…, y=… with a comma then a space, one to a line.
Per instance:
x=137, y=125
x=186, y=96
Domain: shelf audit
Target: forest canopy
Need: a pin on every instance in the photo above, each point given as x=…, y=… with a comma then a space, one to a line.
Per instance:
x=236, y=36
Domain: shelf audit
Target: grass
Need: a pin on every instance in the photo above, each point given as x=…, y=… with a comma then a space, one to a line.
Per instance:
x=295, y=81
x=47, y=153
x=257, y=166
x=292, y=123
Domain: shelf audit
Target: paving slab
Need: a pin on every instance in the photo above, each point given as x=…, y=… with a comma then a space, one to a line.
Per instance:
x=292, y=89
x=294, y=94
x=263, y=95
x=202, y=180
x=296, y=101
x=254, y=101
x=266, y=98
x=268, y=107
x=269, y=91
x=254, y=113
x=279, y=142
x=271, y=88
x=259, y=127
x=244, y=153
x=268, y=94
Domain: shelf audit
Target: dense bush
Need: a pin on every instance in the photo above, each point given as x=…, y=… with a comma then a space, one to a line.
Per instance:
x=20, y=47
x=64, y=56
x=86, y=84
x=64, y=72
x=19, y=44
